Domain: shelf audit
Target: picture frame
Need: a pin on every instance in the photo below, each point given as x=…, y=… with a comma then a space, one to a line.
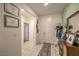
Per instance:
x=70, y=39
x=11, y=22
x=11, y=9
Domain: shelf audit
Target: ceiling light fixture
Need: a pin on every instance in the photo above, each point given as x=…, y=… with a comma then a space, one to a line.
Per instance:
x=45, y=4
x=22, y=9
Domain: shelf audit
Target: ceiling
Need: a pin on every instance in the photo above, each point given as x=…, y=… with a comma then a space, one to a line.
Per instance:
x=51, y=8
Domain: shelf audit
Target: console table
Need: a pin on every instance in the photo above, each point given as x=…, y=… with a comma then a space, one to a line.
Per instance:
x=67, y=49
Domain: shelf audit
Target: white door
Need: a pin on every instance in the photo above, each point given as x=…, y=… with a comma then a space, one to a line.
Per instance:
x=26, y=32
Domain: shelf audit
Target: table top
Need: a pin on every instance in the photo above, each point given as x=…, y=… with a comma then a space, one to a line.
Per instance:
x=67, y=44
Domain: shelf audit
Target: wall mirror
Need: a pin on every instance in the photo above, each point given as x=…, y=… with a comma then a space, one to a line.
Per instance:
x=74, y=21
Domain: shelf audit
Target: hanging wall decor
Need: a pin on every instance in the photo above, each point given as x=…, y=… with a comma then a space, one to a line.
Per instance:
x=11, y=9
x=10, y=21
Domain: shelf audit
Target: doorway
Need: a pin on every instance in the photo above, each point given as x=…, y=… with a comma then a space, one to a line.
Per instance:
x=26, y=32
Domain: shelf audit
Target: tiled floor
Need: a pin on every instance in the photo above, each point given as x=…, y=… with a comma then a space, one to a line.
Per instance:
x=54, y=50
x=31, y=51
x=50, y=50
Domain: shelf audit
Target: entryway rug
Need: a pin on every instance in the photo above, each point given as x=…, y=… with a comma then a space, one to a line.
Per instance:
x=46, y=50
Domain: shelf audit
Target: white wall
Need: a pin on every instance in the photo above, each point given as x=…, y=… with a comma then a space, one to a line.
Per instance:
x=10, y=38
x=29, y=47
x=47, y=26
x=32, y=32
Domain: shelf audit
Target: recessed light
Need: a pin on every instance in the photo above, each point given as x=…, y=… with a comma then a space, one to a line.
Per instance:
x=22, y=9
x=45, y=4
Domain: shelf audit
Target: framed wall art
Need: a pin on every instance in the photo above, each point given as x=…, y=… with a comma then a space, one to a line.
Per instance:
x=10, y=21
x=70, y=39
x=11, y=9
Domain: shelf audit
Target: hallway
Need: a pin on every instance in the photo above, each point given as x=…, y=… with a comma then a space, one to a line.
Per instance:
x=33, y=29
x=46, y=50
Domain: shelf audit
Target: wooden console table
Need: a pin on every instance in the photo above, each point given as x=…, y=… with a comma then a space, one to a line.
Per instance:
x=68, y=50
